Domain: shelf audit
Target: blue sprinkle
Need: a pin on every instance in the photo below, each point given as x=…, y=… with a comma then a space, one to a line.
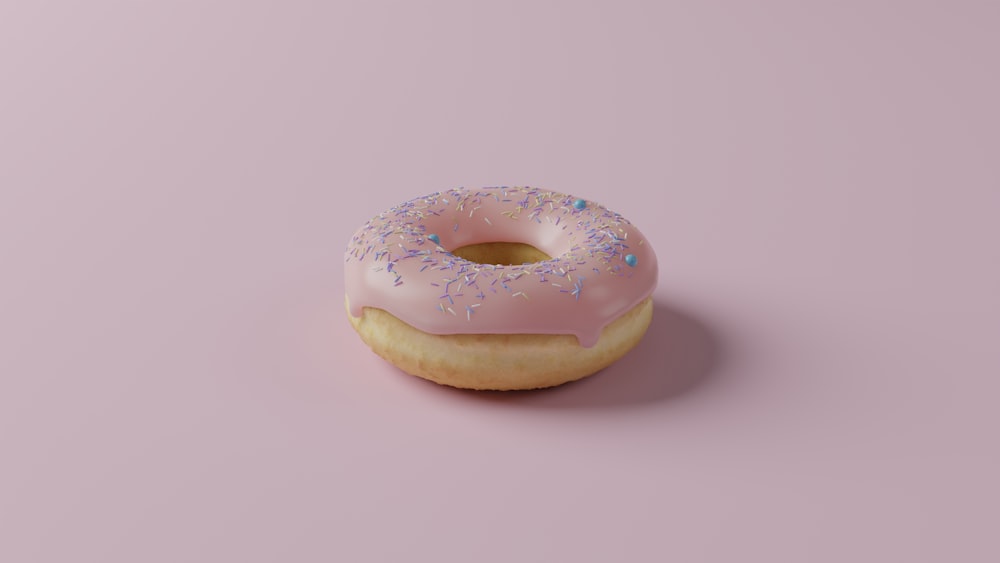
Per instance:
x=631, y=260
x=434, y=238
x=580, y=204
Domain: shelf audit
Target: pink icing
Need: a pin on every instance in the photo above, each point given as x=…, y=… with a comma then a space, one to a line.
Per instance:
x=391, y=264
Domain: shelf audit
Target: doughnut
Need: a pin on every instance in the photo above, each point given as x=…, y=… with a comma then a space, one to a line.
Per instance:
x=499, y=288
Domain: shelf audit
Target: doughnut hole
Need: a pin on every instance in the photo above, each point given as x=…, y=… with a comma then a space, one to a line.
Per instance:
x=501, y=253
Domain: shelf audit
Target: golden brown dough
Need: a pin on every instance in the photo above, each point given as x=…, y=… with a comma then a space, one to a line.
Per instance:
x=498, y=361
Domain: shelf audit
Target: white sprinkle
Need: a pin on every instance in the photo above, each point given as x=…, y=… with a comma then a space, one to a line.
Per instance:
x=487, y=219
x=450, y=310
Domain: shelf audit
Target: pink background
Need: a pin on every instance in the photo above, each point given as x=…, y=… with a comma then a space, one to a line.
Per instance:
x=178, y=182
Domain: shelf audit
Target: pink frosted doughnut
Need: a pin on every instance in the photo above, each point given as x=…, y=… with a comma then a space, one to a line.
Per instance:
x=435, y=314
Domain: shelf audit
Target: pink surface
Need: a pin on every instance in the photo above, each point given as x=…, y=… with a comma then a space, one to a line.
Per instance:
x=179, y=180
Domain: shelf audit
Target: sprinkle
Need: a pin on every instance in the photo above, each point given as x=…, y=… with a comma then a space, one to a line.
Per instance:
x=450, y=310
x=487, y=219
x=631, y=260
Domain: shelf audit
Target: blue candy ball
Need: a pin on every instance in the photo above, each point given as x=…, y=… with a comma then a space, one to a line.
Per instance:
x=631, y=260
x=580, y=204
x=434, y=238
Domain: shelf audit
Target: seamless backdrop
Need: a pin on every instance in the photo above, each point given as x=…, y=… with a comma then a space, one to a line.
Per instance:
x=178, y=182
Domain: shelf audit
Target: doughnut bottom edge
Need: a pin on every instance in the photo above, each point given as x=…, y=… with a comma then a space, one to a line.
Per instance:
x=499, y=362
